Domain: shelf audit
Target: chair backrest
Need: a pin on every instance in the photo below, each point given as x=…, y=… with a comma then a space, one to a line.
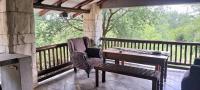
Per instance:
x=78, y=44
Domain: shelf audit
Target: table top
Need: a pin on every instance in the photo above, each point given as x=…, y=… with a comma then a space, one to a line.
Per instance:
x=6, y=59
x=138, y=52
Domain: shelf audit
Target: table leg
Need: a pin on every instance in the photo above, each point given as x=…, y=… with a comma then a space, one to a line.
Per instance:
x=165, y=77
x=162, y=76
x=104, y=60
x=103, y=76
x=116, y=61
x=122, y=62
x=97, y=77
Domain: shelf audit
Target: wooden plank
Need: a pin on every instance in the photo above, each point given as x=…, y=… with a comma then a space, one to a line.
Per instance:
x=56, y=8
x=41, y=13
x=132, y=3
x=81, y=5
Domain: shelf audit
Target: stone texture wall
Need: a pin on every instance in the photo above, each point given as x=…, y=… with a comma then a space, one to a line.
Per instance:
x=92, y=23
x=17, y=29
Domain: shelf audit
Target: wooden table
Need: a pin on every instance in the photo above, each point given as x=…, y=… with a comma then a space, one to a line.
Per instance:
x=139, y=56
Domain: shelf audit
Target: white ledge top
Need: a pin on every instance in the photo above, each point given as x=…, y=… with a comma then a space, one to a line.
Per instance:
x=6, y=59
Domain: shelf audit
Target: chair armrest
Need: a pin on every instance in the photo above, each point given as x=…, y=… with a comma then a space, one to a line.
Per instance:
x=93, y=52
x=195, y=71
x=197, y=61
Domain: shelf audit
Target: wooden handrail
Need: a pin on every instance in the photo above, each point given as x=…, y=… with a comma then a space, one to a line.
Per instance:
x=50, y=46
x=150, y=41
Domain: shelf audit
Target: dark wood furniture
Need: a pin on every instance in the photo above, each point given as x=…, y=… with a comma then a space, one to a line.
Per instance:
x=182, y=53
x=139, y=56
x=130, y=71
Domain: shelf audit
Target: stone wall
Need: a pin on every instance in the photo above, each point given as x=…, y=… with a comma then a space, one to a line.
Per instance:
x=92, y=23
x=17, y=29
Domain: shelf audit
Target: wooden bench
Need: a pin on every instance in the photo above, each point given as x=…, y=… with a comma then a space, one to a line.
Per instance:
x=130, y=71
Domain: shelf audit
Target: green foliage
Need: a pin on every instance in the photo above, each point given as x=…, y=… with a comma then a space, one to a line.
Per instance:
x=150, y=23
x=53, y=29
x=157, y=23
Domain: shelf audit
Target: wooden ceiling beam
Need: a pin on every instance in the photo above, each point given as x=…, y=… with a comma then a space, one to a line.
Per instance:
x=81, y=5
x=57, y=8
x=101, y=2
x=132, y=3
x=44, y=11
x=38, y=1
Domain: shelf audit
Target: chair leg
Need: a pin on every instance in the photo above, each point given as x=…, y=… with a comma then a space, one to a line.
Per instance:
x=75, y=70
x=88, y=73
x=158, y=85
x=154, y=84
x=97, y=77
x=103, y=76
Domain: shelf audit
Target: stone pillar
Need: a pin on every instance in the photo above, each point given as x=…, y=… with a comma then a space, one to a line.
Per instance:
x=92, y=23
x=17, y=30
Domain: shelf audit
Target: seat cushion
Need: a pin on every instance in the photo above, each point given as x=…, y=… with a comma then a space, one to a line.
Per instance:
x=94, y=61
x=79, y=45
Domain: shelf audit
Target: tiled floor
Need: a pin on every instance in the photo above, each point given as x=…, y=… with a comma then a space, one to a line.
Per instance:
x=79, y=81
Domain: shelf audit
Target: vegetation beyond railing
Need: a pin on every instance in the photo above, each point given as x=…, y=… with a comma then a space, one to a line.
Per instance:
x=52, y=60
x=181, y=53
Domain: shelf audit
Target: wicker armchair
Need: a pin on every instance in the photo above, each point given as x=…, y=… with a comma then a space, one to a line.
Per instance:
x=82, y=56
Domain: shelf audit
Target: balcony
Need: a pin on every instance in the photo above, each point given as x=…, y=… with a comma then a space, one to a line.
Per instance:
x=54, y=59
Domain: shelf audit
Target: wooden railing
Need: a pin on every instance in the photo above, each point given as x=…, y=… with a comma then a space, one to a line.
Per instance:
x=52, y=60
x=181, y=53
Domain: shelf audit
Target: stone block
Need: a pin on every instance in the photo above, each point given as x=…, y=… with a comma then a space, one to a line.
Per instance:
x=3, y=24
x=2, y=49
x=4, y=40
x=32, y=24
x=23, y=49
x=25, y=38
x=2, y=6
x=19, y=23
x=25, y=6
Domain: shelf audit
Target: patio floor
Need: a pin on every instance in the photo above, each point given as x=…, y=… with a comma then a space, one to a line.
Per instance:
x=79, y=81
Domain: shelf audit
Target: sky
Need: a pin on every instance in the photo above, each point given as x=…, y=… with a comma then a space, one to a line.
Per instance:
x=179, y=8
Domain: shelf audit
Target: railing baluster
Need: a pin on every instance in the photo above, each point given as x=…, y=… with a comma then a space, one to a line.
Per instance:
x=57, y=56
x=49, y=58
x=64, y=53
x=131, y=44
x=171, y=52
x=124, y=44
x=196, y=51
x=180, y=53
x=176, y=53
x=146, y=46
x=190, y=54
x=54, y=60
x=120, y=44
x=142, y=45
x=115, y=43
x=185, y=54
x=138, y=45
x=150, y=46
x=40, y=60
x=61, y=55
x=166, y=47
x=67, y=51
x=45, y=60
x=158, y=47
x=135, y=45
